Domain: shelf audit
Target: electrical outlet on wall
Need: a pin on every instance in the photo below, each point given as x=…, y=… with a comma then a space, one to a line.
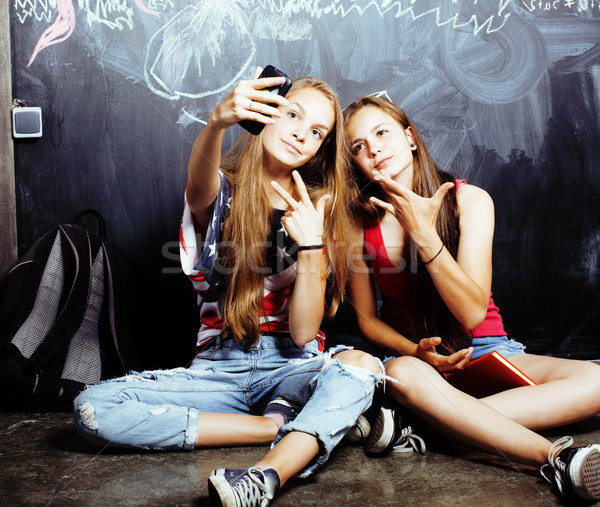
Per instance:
x=27, y=122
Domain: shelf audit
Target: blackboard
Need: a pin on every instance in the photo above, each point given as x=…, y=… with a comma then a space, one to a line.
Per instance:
x=506, y=93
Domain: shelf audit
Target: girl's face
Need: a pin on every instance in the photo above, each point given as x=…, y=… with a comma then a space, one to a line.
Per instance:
x=296, y=137
x=378, y=142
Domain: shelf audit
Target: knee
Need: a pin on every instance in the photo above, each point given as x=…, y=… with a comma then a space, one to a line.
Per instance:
x=84, y=411
x=91, y=406
x=591, y=374
x=360, y=359
x=409, y=371
x=593, y=370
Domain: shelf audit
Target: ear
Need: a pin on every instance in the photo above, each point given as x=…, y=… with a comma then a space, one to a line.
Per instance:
x=409, y=137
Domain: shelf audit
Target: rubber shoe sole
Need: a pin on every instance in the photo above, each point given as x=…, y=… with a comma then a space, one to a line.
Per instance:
x=219, y=490
x=587, y=482
x=382, y=432
x=360, y=431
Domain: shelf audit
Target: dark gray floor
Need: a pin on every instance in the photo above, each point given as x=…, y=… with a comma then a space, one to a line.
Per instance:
x=43, y=462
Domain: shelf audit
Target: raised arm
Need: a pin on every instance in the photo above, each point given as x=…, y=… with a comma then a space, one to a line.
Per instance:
x=304, y=223
x=245, y=102
x=465, y=283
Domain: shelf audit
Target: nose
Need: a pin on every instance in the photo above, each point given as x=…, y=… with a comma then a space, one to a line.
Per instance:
x=299, y=134
x=374, y=149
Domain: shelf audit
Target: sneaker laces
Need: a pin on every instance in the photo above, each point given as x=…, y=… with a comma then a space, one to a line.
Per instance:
x=556, y=465
x=408, y=442
x=251, y=490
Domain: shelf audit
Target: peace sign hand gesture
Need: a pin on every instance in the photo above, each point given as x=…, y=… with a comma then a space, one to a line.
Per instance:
x=304, y=222
x=416, y=214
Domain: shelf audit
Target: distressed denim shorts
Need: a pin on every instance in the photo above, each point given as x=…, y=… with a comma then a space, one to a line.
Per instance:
x=481, y=346
x=506, y=346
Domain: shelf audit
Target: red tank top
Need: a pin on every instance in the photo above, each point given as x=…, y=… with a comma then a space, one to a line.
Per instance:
x=397, y=285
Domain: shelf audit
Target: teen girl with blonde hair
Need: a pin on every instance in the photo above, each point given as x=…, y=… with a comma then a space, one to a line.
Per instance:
x=257, y=242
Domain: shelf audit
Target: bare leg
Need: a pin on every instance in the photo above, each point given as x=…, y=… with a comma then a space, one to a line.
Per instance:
x=291, y=454
x=567, y=391
x=297, y=449
x=224, y=430
x=461, y=417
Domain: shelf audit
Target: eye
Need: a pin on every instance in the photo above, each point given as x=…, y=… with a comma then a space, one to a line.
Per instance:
x=317, y=133
x=293, y=115
x=382, y=132
x=357, y=147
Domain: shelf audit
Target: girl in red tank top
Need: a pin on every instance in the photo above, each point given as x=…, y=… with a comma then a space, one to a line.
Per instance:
x=426, y=244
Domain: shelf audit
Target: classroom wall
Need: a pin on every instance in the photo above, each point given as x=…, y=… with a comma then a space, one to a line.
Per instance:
x=505, y=92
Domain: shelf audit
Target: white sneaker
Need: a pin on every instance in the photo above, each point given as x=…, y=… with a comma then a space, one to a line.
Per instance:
x=576, y=469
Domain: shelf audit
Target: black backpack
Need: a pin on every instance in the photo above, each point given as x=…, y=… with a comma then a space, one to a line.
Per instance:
x=67, y=318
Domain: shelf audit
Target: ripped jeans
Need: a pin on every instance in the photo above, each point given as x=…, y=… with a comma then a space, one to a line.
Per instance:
x=160, y=409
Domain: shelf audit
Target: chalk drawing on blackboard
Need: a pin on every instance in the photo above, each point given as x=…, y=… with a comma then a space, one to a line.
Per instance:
x=494, y=53
x=382, y=93
x=192, y=117
x=60, y=30
x=191, y=38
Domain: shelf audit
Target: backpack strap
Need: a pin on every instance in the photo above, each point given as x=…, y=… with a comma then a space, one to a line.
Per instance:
x=122, y=307
x=79, y=250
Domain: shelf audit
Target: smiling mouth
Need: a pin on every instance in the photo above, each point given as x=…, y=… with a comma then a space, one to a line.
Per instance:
x=291, y=147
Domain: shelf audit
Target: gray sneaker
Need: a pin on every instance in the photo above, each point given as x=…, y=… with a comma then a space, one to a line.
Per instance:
x=362, y=428
x=391, y=432
x=574, y=471
x=230, y=487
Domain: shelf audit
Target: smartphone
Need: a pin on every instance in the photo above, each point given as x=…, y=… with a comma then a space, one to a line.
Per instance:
x=255, y=127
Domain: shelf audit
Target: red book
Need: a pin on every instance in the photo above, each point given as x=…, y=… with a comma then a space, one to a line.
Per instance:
x=487, y=375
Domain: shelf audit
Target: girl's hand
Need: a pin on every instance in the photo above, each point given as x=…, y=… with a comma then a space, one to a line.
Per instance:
x=247, y=101
x=416, y=214
x=304, y=223
x=444, y=364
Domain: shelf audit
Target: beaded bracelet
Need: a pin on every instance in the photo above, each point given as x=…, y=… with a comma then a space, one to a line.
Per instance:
x=433, y=258
x=311, y=247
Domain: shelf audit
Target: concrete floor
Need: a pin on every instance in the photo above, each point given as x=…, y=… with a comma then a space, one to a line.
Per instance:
x=44, y=462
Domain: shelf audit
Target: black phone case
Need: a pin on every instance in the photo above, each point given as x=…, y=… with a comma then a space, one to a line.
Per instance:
x=255, y=127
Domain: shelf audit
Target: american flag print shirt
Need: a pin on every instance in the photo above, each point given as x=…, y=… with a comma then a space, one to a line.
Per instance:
x=199, y=263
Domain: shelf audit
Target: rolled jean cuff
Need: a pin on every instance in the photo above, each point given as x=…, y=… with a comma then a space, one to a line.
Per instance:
x=192, y=430
x=326, y=418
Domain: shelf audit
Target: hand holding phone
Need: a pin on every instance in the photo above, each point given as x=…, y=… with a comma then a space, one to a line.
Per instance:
x=255, y=127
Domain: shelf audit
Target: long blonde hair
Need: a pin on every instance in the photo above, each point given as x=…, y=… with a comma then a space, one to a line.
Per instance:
x=247, y=227
x=426, y=179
